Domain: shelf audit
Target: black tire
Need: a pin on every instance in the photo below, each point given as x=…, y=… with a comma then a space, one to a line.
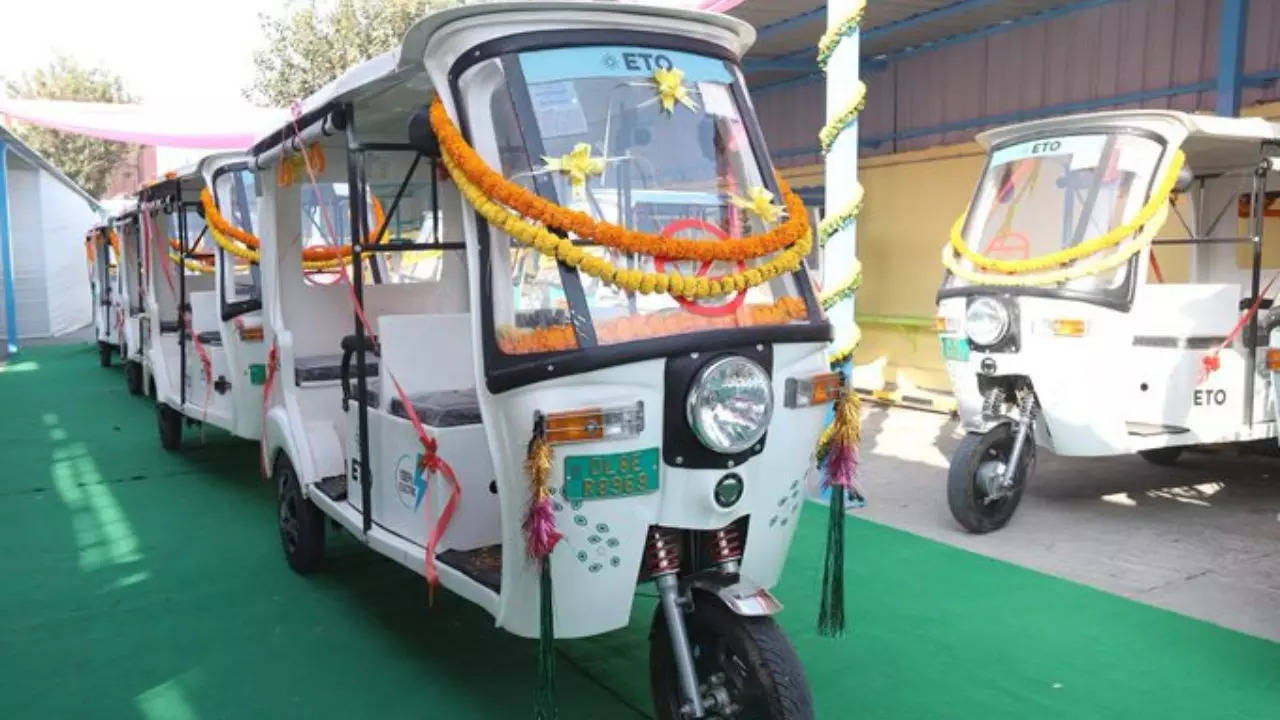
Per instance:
x=964, y=494
x=133, y=377
x=170, y=423
x=1164, y=457
x=104, y=354
x=763, y=676
x=301, y=523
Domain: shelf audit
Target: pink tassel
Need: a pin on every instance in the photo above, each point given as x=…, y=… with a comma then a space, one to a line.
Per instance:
x=841, y=465
x=540, y=529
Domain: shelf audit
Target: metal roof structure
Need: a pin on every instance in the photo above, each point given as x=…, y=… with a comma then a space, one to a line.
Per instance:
x=788, y=30
x=938, y=71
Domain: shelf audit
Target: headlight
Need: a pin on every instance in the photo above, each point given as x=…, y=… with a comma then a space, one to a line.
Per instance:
x=986, y=322
x=730, y=404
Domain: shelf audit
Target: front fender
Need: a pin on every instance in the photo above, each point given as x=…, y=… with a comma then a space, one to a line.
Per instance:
x=740, y=594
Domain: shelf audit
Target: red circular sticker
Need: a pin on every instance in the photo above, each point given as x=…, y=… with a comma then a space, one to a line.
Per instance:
x=697, y=308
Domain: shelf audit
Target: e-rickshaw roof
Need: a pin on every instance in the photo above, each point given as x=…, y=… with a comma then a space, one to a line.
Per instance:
x=1212, y=142
x=400, y=65
x=179, y=182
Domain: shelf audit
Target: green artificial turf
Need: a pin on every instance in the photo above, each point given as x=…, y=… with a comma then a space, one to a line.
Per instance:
x=136, y=583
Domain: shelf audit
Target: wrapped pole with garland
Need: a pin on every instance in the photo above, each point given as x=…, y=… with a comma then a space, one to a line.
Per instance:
x=841, y=274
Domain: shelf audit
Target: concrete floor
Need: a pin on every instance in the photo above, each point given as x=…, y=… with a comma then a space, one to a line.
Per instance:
x=1201, y=538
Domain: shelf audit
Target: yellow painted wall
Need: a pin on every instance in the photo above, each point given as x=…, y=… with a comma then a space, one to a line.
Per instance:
x=911, y=201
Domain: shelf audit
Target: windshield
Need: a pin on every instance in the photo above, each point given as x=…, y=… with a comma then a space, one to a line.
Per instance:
x=236, y=197
x=671, y=169
x=1040, y=196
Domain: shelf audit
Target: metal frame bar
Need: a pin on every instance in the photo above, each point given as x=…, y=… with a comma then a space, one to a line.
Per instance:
x=184, y=309
x=356, y=199
x=1232, y=17
x=1257, y=206
x=6, y=255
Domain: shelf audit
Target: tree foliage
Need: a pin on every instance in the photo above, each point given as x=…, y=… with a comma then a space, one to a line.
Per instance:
x=308, y=44
x=86, y=160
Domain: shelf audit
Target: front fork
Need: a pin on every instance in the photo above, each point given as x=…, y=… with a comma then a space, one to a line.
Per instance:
x=1003, y=482
x=664, y=555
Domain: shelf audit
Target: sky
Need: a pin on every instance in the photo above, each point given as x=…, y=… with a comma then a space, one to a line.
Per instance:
x=166, y=52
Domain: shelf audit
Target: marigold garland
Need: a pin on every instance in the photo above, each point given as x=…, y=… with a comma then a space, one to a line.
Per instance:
x=317, y=256
x=293, y=166
x=841, y=220
x=469, y=165
x=553, y=338
x=845, y=290
x=1095, y=266
x=1159, y=199
x=829, y=132
x=548, y=243
x=831, y=38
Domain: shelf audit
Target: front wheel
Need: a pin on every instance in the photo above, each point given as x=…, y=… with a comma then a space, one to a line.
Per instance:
x=104, y=354
x=746, y=667
x=979, y=500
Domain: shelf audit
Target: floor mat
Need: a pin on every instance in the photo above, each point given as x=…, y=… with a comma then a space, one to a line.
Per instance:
x=144, y=584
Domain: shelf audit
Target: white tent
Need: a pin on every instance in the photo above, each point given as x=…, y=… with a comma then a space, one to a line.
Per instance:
x=44, y=281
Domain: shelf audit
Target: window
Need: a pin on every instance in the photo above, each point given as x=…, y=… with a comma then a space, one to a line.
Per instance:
x=236, y=197
x=667, y=173
x=1041, y=196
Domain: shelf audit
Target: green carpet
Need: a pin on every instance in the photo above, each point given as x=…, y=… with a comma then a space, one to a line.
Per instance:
x=142, y=584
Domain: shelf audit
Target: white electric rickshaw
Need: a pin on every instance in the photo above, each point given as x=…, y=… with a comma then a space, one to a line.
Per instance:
x=1134, y=338
x=103, y=254
x=132, y=299
x=206, y=360
x=681, y=431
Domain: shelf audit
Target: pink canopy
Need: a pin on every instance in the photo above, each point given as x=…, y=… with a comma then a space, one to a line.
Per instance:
x=174, y=127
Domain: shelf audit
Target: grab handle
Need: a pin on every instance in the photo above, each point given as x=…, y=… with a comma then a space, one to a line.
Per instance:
x=350, y=344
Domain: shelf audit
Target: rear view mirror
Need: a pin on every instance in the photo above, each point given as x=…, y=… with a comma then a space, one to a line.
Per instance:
x=421, y=136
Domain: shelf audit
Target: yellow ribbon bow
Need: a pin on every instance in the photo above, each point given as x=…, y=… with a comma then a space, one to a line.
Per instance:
x=577, y=164
x=670, y=85
x=759, y=202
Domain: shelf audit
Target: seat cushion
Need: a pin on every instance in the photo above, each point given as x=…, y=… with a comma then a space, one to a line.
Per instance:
x=321, y=368
x=442, y=408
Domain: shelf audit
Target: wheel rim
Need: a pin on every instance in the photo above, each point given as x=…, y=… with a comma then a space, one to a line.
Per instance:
x=994, y=462
x=289, y=514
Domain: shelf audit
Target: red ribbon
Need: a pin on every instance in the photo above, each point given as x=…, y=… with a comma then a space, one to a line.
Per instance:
x=1211, y=362
x=273, y=363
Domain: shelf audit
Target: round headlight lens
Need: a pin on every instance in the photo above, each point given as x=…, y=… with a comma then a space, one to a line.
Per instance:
x=986, y=322
x=730, y=404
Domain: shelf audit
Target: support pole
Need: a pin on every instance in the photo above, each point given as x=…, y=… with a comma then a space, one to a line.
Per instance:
x=841, y=272
x=1232, y=17
x=6, y=256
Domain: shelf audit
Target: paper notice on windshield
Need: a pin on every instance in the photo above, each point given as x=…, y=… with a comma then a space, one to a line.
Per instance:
x=716, y=100
x=557, y=108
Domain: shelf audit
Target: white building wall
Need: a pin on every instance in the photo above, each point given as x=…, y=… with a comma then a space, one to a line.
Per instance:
x=27, y=248
x=65, y=216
